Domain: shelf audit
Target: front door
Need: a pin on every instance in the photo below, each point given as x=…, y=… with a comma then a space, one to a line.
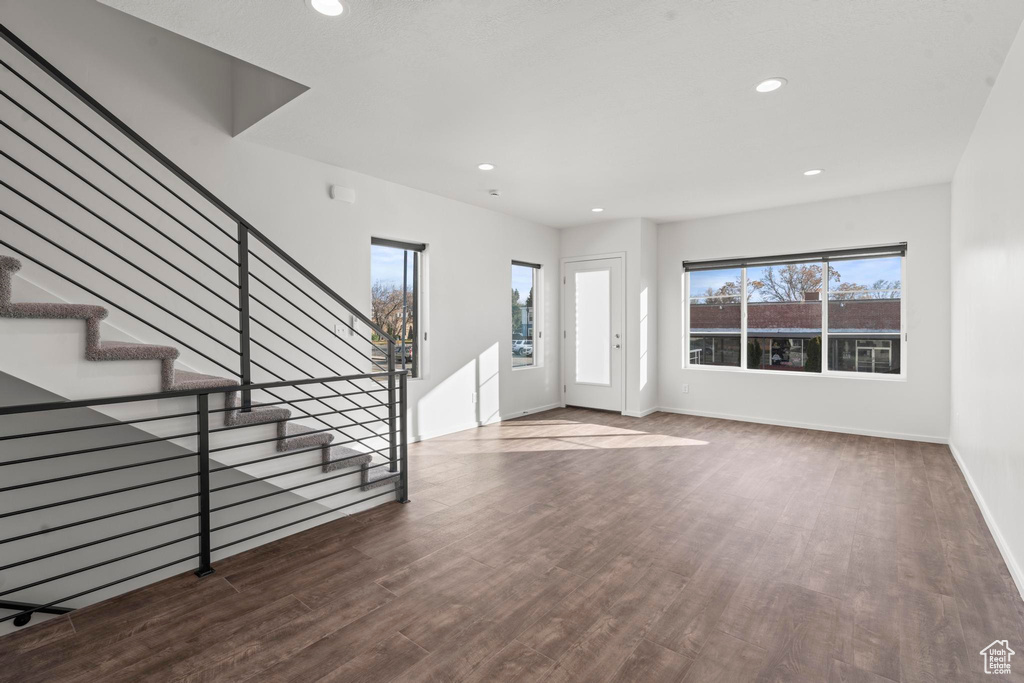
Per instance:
x=593, y=336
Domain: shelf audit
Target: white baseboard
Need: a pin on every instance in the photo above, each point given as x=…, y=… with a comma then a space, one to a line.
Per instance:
x=1004, y=549
x=641, y=413
x=473, y=425
x=531, y=411
x=806, y=425
x=461, y=428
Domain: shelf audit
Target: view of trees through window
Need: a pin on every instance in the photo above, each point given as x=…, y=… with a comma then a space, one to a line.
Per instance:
x=524, y=280
x=784, y=317
x=864, y=315
x=394, y=274
x=784, y=306
x=715, y=315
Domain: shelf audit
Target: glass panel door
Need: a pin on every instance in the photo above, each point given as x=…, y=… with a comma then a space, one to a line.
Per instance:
x=593, y=327
x=593, y=343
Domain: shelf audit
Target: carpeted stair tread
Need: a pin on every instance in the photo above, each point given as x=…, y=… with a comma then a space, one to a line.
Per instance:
x=116, y=350
x=257, y=415
x=58, y=311
x=378, y=477
x=293, y=436
x=342, y=457
x=186, y=380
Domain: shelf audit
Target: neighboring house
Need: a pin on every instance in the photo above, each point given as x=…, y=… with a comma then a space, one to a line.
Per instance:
x=526, y=326
x=864, y=334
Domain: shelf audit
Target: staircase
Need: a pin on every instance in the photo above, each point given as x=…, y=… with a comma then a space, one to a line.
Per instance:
x=290, y=436
x=198, y=363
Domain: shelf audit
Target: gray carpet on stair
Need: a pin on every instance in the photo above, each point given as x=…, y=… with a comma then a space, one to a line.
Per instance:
x=186, y=380
x=114, y=350
x=291, y=436
x=343, y=457
x=256, y=415
x=378, y=477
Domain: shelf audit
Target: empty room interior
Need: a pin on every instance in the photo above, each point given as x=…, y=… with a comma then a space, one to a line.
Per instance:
x=266, y=413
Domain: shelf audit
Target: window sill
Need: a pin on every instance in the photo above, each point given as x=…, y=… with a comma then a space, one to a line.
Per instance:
x=522, y=368
x=875, y=377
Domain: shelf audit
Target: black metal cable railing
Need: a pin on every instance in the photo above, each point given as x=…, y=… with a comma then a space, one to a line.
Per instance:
x=194, y=488
x=247, y=235
x=85, y=209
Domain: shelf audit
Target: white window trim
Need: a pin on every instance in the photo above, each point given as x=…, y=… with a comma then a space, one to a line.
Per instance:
x=538, y=324
x=825, y=372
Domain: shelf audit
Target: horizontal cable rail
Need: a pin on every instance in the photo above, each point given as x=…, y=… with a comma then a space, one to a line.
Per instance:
x=137, y=398
x=300, y=521
x=82, y=546
x=163, y=525
x=100, y=518
x=93, y=473
x=279, y=491
x=99, y=495
x=105, y=425
x=293, y=471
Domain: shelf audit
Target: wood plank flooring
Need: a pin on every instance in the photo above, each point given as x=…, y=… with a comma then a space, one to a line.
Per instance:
x=582, y=546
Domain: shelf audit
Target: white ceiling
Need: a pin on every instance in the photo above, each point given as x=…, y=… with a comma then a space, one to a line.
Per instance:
x=643, y=107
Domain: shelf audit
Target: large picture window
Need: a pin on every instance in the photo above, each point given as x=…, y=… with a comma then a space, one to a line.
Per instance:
x=834, y=312
x=524, y=314
x=395, y=300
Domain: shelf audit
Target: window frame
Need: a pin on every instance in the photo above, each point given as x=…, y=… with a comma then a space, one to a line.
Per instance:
x=418, y=333
x=538, y=355
x=824, y=261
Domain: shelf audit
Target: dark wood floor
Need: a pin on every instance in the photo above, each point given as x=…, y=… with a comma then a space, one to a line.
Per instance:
x=583, y=546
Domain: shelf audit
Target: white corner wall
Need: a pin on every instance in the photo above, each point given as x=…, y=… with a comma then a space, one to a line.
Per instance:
x=987, y=260
x=917, y=408
x=177, y=94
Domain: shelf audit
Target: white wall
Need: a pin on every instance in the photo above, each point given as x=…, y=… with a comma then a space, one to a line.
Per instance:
x=988, y=316
x=177, y=94
x=647, y=371
x=916, y=408
x=637, y=239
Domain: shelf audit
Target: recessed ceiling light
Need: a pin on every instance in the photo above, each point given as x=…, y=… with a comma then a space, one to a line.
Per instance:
x=486, y=167
x=330, y=8
x=770, y=84
x=597, y=209
x=814, y=171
